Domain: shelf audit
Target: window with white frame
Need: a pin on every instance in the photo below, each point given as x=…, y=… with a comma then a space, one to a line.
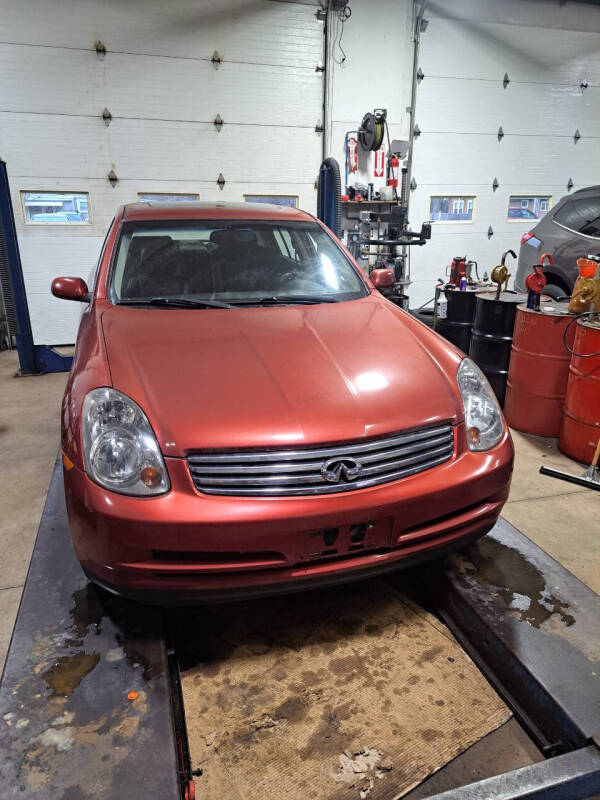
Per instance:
x=290, y=200
x=451, y=208
x=56, y=208
x=166, y=197
x=522, y=208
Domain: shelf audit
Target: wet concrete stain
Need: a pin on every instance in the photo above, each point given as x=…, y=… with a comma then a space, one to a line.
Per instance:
x=328, y=738
x=310, y=677
x=522, y=585
x=87, y=610
x=430, y=735
x=344, y=665
x=67, y=672
x=292, y=709
x=73, y=793
x=428, y=655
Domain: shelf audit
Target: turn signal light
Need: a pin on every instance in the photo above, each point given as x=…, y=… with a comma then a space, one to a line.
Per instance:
x=473, y=434
x=526, y=237
x=151, y=477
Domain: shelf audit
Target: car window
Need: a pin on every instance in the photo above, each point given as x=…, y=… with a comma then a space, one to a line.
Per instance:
x=231, y=261
x=581, y=215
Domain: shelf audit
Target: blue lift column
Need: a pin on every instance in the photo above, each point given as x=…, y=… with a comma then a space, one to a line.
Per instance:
x=32, y=358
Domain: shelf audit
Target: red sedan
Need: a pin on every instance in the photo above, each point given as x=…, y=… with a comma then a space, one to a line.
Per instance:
x=247, y=414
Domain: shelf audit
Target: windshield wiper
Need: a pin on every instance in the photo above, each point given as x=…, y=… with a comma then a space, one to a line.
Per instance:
x=177, y=302
x=285, y=300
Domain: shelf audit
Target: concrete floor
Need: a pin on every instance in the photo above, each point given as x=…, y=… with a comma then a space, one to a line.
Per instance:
x=29, y=440
x=559, y=517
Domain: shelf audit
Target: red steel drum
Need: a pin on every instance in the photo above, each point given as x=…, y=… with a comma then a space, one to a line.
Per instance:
x=538, y=371
x=580, y=426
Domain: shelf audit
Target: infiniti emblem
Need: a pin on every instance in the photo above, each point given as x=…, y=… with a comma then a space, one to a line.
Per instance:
x=337, y=468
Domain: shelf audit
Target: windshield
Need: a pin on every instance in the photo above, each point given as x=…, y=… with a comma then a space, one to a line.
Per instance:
x=234, y=262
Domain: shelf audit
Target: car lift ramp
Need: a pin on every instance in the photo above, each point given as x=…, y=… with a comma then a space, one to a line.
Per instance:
x=90, y=705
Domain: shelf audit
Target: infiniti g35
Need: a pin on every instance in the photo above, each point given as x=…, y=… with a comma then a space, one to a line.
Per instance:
x=247, y=414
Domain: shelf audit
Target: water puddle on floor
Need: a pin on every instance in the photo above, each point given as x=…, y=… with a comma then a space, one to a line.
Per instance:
x=67, y=672
x=522, y=586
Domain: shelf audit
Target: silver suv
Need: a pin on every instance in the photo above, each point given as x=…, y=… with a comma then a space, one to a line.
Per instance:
x=570, y=229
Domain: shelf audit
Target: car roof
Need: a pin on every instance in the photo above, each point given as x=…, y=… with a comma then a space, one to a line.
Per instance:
x=595, y=189
x=150, y=210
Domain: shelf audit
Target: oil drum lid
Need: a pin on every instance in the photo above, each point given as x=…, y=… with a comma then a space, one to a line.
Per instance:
x=587, y=322
x=549, y=309
x=505, y=297
x=452, y=289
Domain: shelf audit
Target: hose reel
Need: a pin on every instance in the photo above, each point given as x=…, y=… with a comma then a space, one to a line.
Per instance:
x=372, y=129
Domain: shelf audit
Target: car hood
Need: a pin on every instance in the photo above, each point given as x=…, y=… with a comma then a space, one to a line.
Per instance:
x=280, y=376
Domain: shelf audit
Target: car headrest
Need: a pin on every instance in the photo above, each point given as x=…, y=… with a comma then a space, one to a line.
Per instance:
x=142, y=247
x=231, y=237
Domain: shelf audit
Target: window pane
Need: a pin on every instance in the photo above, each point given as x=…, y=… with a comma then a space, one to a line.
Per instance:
x=56, y=208
x=451, y=209
x=581, y=215
x=244, y=261
x=275, y=199
x=166, y=197
x=523, y=208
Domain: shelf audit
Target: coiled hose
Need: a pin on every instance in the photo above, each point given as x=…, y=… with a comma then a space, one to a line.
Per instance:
x=566, y=330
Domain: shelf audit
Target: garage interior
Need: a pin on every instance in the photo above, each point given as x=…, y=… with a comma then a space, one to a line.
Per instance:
x=414, y=131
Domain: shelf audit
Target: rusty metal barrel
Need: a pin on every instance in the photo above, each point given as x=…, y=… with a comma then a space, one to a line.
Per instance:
x=492, y=334
x=456, y=325
x=580, y=425
x=538, y=371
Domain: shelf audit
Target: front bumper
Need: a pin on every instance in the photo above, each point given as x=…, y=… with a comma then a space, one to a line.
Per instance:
x=185, y=545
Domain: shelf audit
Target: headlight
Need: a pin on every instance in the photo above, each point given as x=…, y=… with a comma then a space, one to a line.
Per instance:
x=120, y=450
x=484, y=422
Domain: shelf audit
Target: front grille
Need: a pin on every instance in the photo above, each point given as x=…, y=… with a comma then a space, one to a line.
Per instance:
x=280, y=473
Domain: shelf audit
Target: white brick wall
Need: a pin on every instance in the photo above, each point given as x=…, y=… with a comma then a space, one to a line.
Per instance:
x=163, y=92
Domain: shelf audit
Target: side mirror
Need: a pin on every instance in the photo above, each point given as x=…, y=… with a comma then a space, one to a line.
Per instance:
x=71, y=289
x=382, y=278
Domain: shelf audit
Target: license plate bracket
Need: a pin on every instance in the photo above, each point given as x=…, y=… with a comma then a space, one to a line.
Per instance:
x=344, y=540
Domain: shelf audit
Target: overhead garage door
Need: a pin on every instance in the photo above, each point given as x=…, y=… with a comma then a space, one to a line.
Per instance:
x=547, y=52
x=163, y=91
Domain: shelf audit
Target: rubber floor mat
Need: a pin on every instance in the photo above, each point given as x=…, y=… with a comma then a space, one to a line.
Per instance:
x=353, y=692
